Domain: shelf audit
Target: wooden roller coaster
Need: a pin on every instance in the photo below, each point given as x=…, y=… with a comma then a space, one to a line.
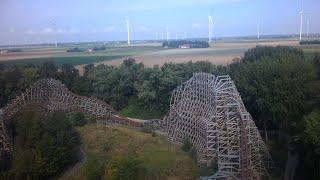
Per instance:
x=206, y=109
x=52, y=95
x=209, y=111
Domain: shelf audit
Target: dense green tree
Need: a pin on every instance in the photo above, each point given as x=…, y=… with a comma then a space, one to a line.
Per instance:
x=29, y=76
x=45, y=143
x=277, y=90
x=88, y=68
x=316, y=62
x=68, y=74
x=311, y=123
x=48, y=70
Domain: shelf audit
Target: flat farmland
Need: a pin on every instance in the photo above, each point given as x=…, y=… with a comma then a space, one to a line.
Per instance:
x=219, y=53
x=60, y=56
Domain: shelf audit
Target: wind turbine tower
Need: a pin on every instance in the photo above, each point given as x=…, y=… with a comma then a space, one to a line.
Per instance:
x=301, y=21
x=308, y=27
x=258, y=30
x=128, y=31
x=210, y=28
x=167, y=30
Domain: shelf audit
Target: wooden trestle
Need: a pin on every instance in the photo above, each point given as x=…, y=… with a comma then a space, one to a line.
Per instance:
x=53, y=95
x=209, y=111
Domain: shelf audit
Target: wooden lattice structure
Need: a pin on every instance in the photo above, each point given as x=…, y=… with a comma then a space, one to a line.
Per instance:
x=52, y=95
x=209, y=111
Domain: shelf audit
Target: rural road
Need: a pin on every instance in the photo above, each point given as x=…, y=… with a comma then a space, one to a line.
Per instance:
x=71, y=170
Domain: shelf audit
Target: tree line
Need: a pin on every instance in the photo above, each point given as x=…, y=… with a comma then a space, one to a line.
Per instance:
x=191, y=44
x=309, y=42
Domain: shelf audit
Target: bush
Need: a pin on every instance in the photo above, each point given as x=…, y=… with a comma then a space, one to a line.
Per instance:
x=77, y=119
x=187, y=145
x=153, y=134
x=76, y=49
x=309, y=42
x=146, y=129
x=94, y=168
x=123, y=168
x=106, y=147
x=99, y=48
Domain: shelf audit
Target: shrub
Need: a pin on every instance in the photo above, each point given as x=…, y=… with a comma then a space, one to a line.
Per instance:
x=94, y=168
x=186, y=145
x=106, y=147
x=77, y=119
x=146, y=129
x=75, y=50
x=122, y=168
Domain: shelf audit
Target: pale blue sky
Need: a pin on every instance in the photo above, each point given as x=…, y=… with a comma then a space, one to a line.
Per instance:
x=38, y=21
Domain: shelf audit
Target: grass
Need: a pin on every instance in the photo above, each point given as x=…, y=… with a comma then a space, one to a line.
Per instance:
x=160, y=158
x=73, y=60
x=83, y=57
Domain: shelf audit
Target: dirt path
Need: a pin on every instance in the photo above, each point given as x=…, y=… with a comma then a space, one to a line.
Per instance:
x=73, y=169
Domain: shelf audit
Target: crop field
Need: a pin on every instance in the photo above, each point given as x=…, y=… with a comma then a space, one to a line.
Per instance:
x=219, y=53
x=59, y=55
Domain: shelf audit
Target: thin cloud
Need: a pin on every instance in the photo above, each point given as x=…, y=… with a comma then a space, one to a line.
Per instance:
x=195, y=25
x=46, y=31
x=166, y=4
x=144, y=28
x=109, y=29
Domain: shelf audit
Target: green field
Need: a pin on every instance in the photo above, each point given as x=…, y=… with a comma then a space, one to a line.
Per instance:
x=159, y=158
x=76, y=58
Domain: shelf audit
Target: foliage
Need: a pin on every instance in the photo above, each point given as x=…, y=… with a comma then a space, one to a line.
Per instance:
x=279, y=87
x=45, y=143
x=277, y=90
x=186, y=145
x=99, y=48
x=273, y=53
x=68, y=74
x=146, y=129
x=77, y=119
x=122, y=168
x=316, y=63
x=94, y=167
x=308, y=42
x=14, y=50
x=48, y=70
x=76, y=49
x=133, y=85
x=191, y=44
x=311, y=133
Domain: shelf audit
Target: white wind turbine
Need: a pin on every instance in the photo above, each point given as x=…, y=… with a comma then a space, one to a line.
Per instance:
x=301, y=22
x=210, y=28
x=258, y=30
x=167, y=30
x=128, y=31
